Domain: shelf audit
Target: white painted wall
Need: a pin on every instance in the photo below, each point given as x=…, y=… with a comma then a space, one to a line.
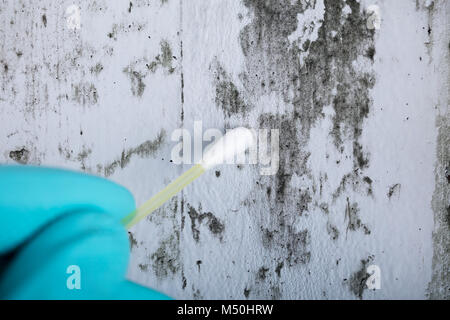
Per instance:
x=82, y=99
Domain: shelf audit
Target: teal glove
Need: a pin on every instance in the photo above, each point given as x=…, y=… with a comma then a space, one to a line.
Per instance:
x=61, y=236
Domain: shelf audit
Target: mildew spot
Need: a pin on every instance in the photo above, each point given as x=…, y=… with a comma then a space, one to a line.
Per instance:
x=352, y=217
x=394, y=189
x=262, y=273
x=44, y=20
x=144, y=150
x=21, y=156
x=357, y=282
x=228, y=98
x=97, y=69
x=138, y=70
x=332, y=231
x=215, y=226
x=166, y=259
x=85, y=93
x=292, y=245
x=246, y=293
x=143, y=267
x=132, y=239
x=278, y=268
x=124, y=28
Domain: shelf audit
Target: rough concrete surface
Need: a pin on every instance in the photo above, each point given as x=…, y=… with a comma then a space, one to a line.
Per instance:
x=361, y=109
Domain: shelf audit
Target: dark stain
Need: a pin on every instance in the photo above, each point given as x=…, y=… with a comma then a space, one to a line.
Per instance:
x=166, y=259
x=130, y=6
x=138, y=70
x=137, y=81
x=326, y=76
x=21, y=156
x=143, y=267
x=356, y=182
x=85, y=93
x=215, y=226
x=287, y=242
x=132, y=239
x=124, y=28
x=44, y=20
x=275, y=293
x=183, y=281
x=217, y=173
x=82, y=156
x=97, y=69
x=164, y=59
x=352, y=217
x=278, y=268
x=357, y=281
x=5, y=67
x=370, y=53
x=368, y=181
x=262, y=273
x=196, y=294
x=394, y=189
x=198, y=263
x=228, y=98
x=144, y=150
x=246, y=293
x=332, y=231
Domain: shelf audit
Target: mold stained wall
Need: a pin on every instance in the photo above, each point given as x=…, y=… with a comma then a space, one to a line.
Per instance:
x=363, y=124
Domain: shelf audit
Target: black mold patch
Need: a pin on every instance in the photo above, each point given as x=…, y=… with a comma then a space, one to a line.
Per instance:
x=21, y=156
x=44, y=20
x=352, y=217
x=246, y=293
x=278, y=268
x=82, y=156
x=357, y=281
x=355, y=182
x=292, y=245
x=164, y=59
x=85, y=93
x=275, y=293
x=262, y=273
x=132, y=239
x=97, y=69
x=166, y=259
x=137, y=81
x=143, y=267
x=325, y=76
x=125, y=28
x=228, y=98
x=144, y=150
x=138, y=70
x=394, y=189
x=215, y=226
x=332, y=231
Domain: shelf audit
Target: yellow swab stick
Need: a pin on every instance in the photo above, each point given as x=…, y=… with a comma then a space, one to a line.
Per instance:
x=234, y=142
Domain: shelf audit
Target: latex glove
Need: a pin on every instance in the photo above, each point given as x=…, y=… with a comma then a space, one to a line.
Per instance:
x=51, y=219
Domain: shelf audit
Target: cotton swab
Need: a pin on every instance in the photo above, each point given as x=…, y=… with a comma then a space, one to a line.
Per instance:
x=234, y=143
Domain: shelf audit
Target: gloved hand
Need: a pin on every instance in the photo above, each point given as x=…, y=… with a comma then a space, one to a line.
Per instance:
x=53, y=219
